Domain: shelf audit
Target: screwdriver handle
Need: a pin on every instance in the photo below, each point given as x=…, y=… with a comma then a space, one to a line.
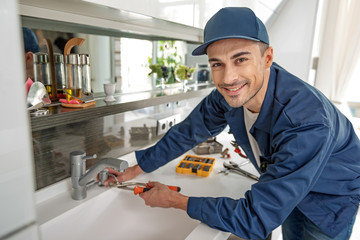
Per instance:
x=138, y=189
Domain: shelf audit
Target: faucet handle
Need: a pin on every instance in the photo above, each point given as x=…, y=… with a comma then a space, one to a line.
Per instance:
x=77, y=161
x=89, y=157
x=84, y=158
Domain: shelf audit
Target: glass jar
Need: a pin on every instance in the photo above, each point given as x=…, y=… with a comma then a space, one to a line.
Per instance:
x=59, y=74
x=42, y=71
x=85, y=74
x=73, y=76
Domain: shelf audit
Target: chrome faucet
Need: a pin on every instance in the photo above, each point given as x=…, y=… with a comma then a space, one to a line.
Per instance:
x=80, y=177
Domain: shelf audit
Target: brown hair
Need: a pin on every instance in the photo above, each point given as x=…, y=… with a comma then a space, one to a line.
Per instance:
x=263, y=47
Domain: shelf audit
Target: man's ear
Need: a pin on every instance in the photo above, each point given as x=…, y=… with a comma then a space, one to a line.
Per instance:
x=29, y=57
x=269, y=57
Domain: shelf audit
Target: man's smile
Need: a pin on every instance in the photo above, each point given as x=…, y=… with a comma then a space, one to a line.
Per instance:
x=234, y=90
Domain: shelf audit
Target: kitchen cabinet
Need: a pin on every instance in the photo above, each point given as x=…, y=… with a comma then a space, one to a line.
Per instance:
x=182, y=20
x=88, y=17
x=194, y=13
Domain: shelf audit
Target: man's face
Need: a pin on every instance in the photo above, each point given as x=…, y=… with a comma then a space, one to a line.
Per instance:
x=240, y=72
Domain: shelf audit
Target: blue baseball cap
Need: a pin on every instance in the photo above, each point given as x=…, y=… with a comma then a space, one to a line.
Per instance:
x=232, y=22
x=30, y=41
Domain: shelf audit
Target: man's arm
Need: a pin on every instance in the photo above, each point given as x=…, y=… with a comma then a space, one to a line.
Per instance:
x=206, y=120
x=300, y=155
x=269, y=202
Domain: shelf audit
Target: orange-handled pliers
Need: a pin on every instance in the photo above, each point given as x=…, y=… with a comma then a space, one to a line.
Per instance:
x=139, y=187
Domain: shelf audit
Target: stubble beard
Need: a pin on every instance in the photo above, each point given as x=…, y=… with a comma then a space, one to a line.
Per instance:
x=236, y=104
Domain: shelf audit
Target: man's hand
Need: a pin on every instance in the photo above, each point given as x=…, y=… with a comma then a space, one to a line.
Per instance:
x=161, y=196
x=129, y=174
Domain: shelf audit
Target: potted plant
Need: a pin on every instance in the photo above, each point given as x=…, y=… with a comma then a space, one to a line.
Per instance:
x=162, y=72
x=184, y=73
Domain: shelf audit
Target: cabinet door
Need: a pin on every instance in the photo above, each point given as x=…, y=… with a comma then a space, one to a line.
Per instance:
x=17, y=206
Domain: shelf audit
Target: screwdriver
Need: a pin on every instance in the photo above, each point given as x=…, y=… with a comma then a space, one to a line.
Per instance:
x=138, y=189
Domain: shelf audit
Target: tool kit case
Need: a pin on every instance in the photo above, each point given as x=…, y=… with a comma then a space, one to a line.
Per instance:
x=191, y=164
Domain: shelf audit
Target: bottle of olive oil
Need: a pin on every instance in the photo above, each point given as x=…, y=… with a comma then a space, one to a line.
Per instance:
x=73, y=76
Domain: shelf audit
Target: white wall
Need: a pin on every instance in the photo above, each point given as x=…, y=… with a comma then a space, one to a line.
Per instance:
x=17, y=209
x=292, y=34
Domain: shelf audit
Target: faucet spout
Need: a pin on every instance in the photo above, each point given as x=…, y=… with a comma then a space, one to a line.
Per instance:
x=79, y=176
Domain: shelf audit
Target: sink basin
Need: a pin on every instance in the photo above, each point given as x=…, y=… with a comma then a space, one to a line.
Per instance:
x=108, y=214
x=118, y=214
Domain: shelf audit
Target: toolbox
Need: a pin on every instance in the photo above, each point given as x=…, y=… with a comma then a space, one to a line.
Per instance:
x=191, y=164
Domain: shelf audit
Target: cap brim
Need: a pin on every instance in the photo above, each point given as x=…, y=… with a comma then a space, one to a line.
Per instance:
x=201, y=50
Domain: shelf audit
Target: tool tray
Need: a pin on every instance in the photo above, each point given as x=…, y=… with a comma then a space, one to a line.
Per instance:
x=191, y=164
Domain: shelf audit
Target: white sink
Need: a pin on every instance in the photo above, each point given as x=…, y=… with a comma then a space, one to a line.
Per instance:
x=118, y=214
x=108, y=214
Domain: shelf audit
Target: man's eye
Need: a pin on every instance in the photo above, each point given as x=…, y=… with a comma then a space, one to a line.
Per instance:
x=216, y=65
x=240, y=60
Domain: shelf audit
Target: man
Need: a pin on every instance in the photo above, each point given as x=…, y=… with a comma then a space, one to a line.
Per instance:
x=306, y=150
x=31, y=46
